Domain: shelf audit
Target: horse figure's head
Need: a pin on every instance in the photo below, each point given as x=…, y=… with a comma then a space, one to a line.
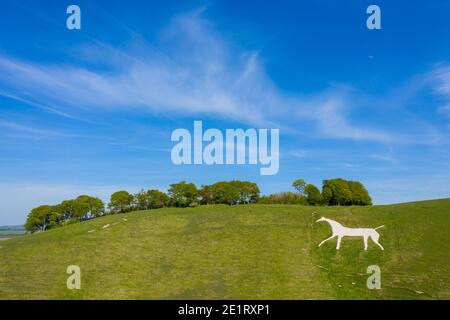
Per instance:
x=321, y=219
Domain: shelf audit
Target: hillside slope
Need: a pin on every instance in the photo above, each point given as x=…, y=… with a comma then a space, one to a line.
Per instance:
x=240, y=252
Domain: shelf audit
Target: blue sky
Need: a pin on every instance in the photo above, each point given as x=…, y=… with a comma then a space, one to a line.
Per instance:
x=91, y=111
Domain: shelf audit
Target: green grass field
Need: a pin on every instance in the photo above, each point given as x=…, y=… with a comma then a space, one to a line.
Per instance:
x=240, y=252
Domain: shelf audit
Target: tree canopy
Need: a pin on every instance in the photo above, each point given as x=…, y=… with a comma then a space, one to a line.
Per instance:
x=299, y=185
x=313, y=195
x=120, y=202
x=342, y=192
x=229, y=192
x=42, y=218
x=183, y=194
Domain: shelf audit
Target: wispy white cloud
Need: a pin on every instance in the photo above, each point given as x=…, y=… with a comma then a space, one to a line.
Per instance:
x=34, y=104
x=138, y=147
x=442, y=73
x=27, y=131
x=331, y=111
x=352, y=165
x=18, y=127
x=199, y=73
x=44, y=107
x=295, y=153
x=190, y=70
x=442, y=86
x=385, y=158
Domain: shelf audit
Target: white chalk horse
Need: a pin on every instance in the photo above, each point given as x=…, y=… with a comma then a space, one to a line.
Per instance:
x=338, y=230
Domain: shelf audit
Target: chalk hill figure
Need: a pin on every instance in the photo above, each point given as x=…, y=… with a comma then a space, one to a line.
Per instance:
x=340, y=231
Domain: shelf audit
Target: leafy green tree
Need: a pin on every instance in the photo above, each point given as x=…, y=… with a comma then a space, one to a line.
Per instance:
x=206, y=194
x=336, y=192
x=283, y=198
x=42, y=218
x=87, y=207
x=230, y=192
x=157, y=199
x=299, y=185
x=225, y=192
x=120, y=202
x=313, y=195
x=360, y=195
x=141, y=200
x=343, y=192
x=327, y=194
x=182, y=194
x=96, y=207
x=68, y=209
x=248, y=191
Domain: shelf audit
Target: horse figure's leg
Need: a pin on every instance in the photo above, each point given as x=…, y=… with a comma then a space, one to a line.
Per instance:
x=375, y=238
x=365, y=242
x=332, y=236
x=338, y=245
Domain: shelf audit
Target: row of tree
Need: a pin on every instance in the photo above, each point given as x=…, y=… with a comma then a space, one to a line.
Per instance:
x=184, y=194
x=335, y=192
x=69, y=211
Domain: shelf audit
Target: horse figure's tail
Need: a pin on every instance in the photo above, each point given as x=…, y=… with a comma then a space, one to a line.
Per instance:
x=379, y=227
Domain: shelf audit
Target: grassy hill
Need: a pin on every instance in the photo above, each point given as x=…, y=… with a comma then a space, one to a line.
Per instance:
x=240, y=252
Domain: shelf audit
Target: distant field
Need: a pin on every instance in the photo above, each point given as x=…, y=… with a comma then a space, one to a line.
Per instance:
x=11, y=233
x=239, y=252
